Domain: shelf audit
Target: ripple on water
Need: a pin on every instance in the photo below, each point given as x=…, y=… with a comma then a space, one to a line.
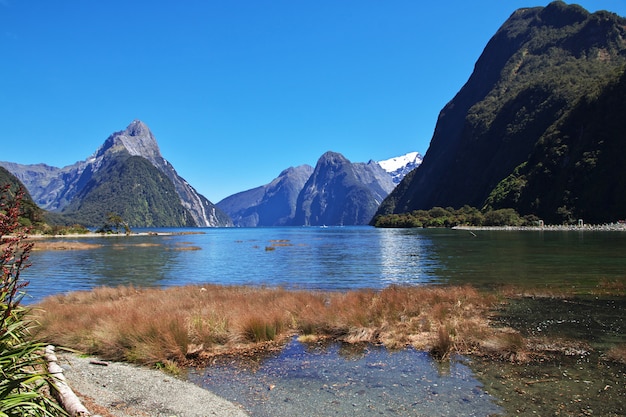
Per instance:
x=347, y=380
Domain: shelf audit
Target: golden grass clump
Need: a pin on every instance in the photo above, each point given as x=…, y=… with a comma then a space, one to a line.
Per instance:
x=193, y=323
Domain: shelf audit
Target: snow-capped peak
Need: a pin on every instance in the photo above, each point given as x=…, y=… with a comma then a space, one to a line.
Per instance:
x=393, y=164
x=399, y=166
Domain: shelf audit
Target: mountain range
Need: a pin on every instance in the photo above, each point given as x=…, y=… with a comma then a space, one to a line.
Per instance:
x=538, y=126
x=335, y=192
x=128, y=176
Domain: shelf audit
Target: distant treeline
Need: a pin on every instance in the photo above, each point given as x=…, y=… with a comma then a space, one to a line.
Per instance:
x=450, y=217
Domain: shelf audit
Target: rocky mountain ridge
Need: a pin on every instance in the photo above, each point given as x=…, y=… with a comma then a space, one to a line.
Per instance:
x=341, y=193
x=272, y=204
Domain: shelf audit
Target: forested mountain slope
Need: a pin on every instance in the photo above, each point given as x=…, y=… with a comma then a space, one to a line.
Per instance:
x=530, y=96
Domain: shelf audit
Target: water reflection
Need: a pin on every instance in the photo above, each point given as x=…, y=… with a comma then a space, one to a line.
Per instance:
x=348, y=380
x=406, y=256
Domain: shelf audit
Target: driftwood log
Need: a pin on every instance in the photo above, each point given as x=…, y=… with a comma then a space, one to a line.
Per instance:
x=64, y=394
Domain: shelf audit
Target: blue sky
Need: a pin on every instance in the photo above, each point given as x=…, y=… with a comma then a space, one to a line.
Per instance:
x=237, y=90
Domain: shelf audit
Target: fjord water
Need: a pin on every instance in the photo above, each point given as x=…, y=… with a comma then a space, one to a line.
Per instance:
x=332, y=258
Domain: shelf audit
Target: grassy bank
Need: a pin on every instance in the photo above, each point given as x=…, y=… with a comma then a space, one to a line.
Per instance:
x=191, y=324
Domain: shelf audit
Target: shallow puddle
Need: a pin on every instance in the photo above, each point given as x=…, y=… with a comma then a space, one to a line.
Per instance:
x=349, y=381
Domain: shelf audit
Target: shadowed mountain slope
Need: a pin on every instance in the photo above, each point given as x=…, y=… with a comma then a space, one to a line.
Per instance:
x=530, y=79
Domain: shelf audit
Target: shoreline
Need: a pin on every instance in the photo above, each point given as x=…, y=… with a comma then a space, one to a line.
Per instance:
x=95, y=235
x=119, y=389
x=609, y=227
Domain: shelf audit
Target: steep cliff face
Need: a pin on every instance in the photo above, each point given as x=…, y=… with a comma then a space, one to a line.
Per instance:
x=532, y=73
x=273, y=204
x=64, y=189
x=341, y=193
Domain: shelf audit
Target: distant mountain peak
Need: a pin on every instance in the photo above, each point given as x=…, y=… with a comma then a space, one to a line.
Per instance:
x=137, y=139
x=137, y=128
x=399, y=166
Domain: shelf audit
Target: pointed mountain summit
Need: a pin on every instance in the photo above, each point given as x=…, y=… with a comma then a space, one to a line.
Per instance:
x=127, y=175
x=136, y=139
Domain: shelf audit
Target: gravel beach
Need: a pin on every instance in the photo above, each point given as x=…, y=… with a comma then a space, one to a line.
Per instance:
x=123, y=390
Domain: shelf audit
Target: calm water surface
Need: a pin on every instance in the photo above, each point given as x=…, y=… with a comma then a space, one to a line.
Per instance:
x=334, y=258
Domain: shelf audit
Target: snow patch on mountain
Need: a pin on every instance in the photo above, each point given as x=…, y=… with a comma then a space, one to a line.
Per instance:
x=399, y=166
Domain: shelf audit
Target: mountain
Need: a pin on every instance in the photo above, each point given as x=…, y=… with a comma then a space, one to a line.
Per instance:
x=341, y=193
x=127, y=175
x=134, y=189
x=48, y=185
x=273, y=204
x=534, y=77
x=399, y=166
x=30, y=213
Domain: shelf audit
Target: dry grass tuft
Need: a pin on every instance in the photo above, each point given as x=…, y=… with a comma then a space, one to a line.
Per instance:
x=41, y=245
x=507, y=344
x=193, y=323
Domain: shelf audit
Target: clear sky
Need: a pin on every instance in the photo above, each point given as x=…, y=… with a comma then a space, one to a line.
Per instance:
x=235, y=91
